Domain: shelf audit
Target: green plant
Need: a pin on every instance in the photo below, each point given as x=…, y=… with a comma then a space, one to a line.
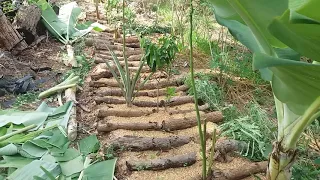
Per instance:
x=256, y=129
x=128, y=83
x=171, y=92
x=161, y=55
x=193, y=86
x=207, y=90
x=270, y=35
x=25, y=99
x=82, y=70
x=65, y=26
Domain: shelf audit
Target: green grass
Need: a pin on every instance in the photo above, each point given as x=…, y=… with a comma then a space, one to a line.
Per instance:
x=27, y=98
x=208, y=91
x=252, y=126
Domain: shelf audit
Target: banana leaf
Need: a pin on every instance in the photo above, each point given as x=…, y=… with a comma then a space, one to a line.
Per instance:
x=65, y=26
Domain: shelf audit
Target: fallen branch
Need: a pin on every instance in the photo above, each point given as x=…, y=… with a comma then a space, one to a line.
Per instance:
x=166, y=125
x=163, y=163
x=135, y=143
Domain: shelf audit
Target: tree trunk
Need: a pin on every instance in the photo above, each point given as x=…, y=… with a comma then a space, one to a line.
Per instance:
x=9, y=37
x=280, y=163
x=26, y=22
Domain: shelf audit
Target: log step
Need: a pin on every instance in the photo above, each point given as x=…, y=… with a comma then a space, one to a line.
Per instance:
x=163, y=163
x=166, y=125
x=135, y=143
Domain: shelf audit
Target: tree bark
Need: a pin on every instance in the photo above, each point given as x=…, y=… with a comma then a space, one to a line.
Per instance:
x=163, y=163
x=240, y=173
x=166, y=125
x=26, y=22
x=135, y=143
x=9, y=37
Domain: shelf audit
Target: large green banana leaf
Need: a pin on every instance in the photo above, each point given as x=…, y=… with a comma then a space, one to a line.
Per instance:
x=300, y=28
x=271, y=29
x=64, y=26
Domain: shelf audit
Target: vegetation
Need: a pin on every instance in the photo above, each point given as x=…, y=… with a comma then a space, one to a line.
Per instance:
x=296, y=110
x=272, y=109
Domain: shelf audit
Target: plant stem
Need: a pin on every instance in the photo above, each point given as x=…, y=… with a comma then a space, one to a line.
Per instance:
x=202, y=140
x=128, y=83
x=2, y=138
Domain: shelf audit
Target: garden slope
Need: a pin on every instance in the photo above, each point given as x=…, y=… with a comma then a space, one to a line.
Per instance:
x=141, y=133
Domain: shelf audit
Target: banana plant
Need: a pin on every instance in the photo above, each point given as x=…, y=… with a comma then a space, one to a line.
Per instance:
x=279, y=32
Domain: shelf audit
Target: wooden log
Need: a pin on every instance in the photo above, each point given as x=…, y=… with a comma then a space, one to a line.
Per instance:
x=26, y=22
x=178, y=124
x=166, y=125
x=183, y=111
x=148, y=126
x=124, y=112
x=96, y=42
x=103, y=58
x=173, y=102
x=163, y=163
x=150, y=93
x=224, y=147
x=119, y=53
x=131, y=39
x=135, y=57
x=131, y=45
x=240, y=173
x=135, y=143
x=10, y=39
x=104, y=82
x=107, y=100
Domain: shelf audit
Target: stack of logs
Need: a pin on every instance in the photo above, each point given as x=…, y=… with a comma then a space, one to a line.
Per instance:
x=107, y=91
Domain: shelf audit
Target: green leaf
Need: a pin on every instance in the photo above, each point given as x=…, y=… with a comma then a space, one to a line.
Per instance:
x=68, y=155
x=9, y=150
x=14, y=162
x=71, y=167
x=22, y=117
x=245, y=12
x=89, y=145
x=294, y=82
x=298, y=33
x=63, y=26
x=49, y=174
x=58, y=139
x=33, y=169
x=33, y=150
x=68, y=14
x=100, y=170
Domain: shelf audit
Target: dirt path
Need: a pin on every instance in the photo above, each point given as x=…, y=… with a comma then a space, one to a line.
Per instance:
x=143, y=138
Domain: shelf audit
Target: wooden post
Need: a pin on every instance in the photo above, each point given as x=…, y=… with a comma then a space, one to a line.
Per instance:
x=10, y=38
